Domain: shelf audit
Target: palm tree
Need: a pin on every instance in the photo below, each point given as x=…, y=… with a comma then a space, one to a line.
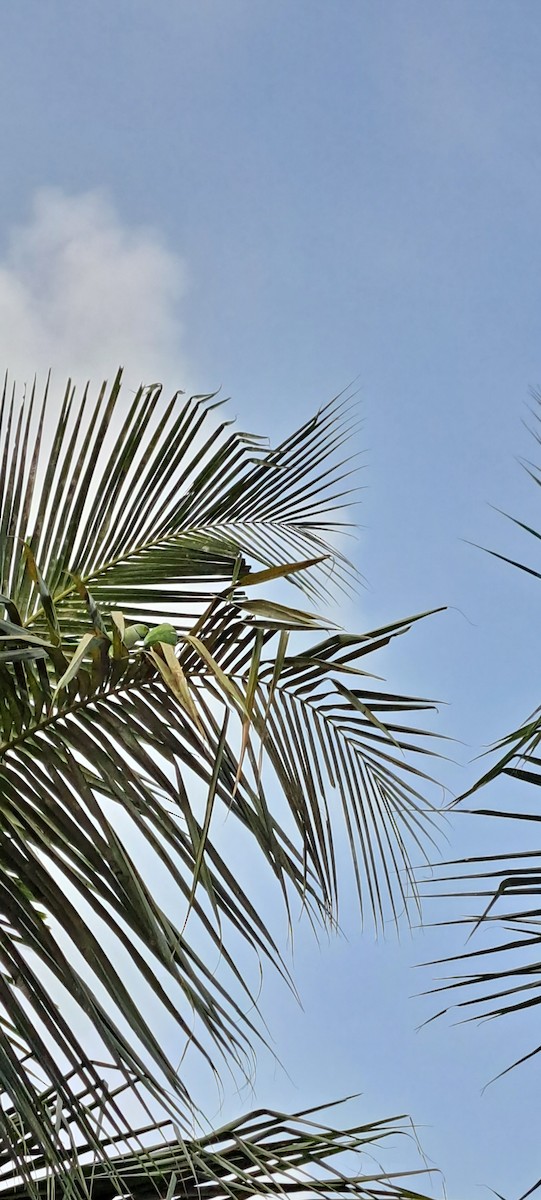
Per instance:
x=142, y=684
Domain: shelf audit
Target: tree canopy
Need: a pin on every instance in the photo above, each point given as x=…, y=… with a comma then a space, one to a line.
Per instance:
x=151, y=674
x=143, y=684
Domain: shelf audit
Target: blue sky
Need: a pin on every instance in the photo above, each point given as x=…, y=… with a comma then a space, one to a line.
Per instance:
x=281, y=198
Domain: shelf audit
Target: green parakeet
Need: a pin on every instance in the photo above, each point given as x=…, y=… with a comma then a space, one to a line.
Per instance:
x=161, y=633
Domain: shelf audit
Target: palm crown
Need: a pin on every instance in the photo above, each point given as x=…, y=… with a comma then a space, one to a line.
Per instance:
x=141, y=681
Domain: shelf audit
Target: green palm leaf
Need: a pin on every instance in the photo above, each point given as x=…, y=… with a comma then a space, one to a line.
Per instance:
x=140, y=688
x=270, y=1154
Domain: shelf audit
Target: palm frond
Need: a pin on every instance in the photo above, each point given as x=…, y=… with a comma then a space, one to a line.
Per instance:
x=326, y=738
x=163, y=507
x=502, y=977
x=265, y=1153
x=141, y=688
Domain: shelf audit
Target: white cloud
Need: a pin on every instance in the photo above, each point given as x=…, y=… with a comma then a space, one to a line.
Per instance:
x=82, y=293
